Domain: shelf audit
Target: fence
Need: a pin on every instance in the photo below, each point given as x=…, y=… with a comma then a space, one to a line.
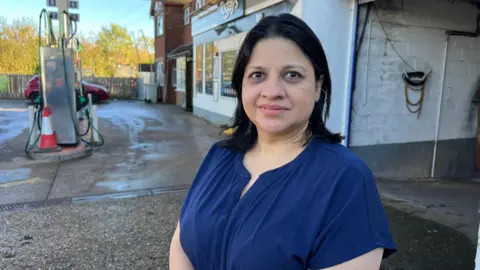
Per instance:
x=120, y=88
x=12, y=86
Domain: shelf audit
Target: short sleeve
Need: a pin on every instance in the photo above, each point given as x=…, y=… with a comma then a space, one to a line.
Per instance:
x=354, y=223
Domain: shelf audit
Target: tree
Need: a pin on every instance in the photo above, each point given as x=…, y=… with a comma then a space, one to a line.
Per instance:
x=102, y=52
x=18, y=47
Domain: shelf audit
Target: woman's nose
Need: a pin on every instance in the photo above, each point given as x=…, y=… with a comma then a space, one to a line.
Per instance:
x=273, y=88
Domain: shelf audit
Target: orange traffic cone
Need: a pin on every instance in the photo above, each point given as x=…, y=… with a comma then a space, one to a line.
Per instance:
x=48, y=139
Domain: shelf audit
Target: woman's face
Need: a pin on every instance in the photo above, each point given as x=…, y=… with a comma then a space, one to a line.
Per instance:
x=279, y=88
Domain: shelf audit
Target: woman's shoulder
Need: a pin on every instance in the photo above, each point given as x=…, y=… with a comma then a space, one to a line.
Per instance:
x=217, y=150
x=336, y=168
x=337, y=155
x=218, y=157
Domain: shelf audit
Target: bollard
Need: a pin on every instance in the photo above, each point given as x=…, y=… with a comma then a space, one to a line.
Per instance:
x=95, y=124
x=32, y=124
x=89, y=101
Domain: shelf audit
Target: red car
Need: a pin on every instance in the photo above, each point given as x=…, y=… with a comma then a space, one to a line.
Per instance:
x=99, y=92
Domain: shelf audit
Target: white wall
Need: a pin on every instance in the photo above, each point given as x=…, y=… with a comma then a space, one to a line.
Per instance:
x=333, y=23
x=417, y=29
x=216, y=103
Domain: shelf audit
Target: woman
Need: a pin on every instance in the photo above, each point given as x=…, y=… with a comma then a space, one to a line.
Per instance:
x=281, y=192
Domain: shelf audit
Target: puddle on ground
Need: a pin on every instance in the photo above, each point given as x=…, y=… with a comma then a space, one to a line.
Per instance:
x=7, y=176
x=155, y=129
x=131, y=121
x=143, y=146
x=154, y=156
x=13, y=125
x=124, y=185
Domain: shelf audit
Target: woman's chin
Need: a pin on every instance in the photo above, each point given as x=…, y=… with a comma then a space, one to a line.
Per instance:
x=273, y=128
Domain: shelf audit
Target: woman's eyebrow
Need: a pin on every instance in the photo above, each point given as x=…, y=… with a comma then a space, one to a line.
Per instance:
x=254, y=67
x=295, y=66
x=289, y=66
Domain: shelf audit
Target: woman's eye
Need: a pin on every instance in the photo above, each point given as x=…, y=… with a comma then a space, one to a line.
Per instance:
x=293, y=75
x=256, y=75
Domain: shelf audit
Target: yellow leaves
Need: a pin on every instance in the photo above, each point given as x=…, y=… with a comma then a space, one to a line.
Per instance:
x=101, y=52
x=18, y=47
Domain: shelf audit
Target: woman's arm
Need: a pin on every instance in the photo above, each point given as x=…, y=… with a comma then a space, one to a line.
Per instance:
x=368, y=261
x=178, y=258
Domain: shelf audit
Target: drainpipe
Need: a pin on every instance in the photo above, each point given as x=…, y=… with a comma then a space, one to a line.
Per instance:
x=353, y=67
x=439, y=111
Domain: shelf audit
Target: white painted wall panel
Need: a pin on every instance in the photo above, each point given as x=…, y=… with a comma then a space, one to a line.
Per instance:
x=333, y=23
x=458, y=116
x=417, y=30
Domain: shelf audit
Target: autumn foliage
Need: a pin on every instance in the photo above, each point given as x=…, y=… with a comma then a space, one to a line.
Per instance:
x=101, y=52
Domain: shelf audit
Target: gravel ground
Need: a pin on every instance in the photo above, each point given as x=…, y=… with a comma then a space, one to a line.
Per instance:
x=135, y=234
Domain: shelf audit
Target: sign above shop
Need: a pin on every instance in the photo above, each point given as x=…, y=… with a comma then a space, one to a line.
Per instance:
x=226, y=11
x=228, y=8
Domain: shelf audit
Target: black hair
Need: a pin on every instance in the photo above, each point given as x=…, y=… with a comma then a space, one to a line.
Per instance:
x=296, y=30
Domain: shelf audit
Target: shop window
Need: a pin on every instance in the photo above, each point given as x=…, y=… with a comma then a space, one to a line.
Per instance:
x=174, y=73
x=181, y=73
x=159, y=25
x=209, y=68
x=199, y=68
x=186, y=16
x=228, y=62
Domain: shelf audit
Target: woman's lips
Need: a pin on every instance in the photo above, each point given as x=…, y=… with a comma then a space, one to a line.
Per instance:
x=270, y=109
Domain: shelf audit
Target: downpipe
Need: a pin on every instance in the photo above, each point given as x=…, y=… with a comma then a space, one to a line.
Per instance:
x=353, y=69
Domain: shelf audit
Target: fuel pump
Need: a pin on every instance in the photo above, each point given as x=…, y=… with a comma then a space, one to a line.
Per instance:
x=61, y=92
x=59, y=81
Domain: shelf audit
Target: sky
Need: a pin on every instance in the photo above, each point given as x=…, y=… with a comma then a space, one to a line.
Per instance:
x=132, y=14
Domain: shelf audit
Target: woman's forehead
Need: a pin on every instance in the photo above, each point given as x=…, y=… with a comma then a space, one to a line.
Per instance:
x=278, y=53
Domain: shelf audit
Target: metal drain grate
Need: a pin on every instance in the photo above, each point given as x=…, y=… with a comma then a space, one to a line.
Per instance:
x=33, y=205
x=160, y=191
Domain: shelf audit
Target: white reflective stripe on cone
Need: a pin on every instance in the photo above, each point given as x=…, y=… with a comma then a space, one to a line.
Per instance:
x=47, y=126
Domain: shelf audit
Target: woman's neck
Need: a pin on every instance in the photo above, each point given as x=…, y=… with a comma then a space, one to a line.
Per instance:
x=291, y=142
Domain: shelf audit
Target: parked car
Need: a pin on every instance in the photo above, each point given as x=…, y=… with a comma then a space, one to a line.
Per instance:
x=99, y=92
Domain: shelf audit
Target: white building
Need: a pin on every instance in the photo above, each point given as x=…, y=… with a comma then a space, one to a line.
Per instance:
x=218, y=31
x=398, y=35
x=427, y=35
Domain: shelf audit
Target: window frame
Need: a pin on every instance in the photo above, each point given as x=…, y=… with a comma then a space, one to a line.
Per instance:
x=186, y=16
x=199, y=81
x=159, y=79
x=160, y=21
x=199, y=4
x=208, y=59
x=222, y=67
x=181, y=73
x=174, y=74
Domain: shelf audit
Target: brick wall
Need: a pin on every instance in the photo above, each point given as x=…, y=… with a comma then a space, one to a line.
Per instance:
x=174, y=26
x=187, y=34
x=417, y=30
x=159, y=42
x=175, y=34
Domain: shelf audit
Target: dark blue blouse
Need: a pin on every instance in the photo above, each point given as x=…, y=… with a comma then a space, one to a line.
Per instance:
x=317, y=211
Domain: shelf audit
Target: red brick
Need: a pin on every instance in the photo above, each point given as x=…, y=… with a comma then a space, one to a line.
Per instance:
x=175, y=34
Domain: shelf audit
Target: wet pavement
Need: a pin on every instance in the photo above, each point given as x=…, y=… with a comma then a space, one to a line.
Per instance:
x=135, y=233
x=452, y=203
x=147, y=146
x=151, y=148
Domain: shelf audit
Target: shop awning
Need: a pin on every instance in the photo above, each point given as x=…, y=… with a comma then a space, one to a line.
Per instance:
x=182, y=50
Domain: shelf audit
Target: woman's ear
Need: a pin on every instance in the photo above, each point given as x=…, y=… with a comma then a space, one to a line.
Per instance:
x=318, y=88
